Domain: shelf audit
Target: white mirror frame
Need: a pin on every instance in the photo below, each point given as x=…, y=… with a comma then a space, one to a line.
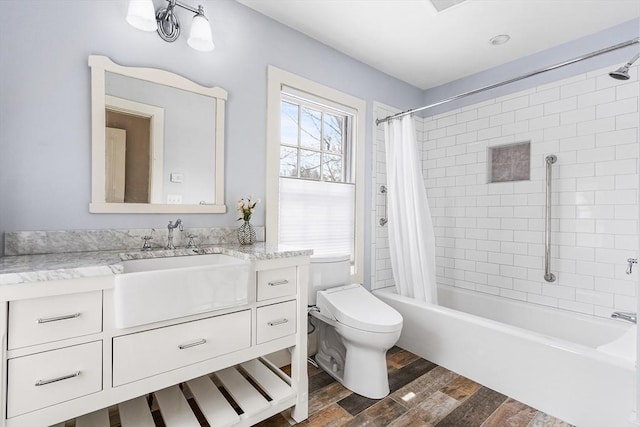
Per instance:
x=99, y=66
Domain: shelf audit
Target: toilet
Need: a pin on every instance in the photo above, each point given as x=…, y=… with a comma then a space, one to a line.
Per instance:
x=355, y=329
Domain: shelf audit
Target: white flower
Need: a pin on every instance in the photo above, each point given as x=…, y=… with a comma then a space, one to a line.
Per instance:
x=246, y=209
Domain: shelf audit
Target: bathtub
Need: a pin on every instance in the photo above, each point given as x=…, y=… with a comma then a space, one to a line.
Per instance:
x=546, y=358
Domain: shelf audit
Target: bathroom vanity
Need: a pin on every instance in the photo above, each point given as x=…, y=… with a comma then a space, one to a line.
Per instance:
x=79, y=343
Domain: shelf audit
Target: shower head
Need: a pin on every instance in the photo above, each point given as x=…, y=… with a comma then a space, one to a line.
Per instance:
x=622, y=73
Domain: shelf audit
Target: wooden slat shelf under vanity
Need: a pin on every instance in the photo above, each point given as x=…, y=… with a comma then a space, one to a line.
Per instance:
x=237, y=396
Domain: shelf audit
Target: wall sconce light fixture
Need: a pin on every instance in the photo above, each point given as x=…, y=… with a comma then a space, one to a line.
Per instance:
x=141, y=15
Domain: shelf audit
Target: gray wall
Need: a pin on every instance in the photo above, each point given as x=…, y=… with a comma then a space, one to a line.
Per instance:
x=45, y=102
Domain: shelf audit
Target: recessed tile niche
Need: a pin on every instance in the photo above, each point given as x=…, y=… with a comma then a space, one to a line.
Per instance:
x=510, y=162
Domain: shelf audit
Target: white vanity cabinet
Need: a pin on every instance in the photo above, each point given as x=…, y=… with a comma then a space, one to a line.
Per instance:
x=63, y=358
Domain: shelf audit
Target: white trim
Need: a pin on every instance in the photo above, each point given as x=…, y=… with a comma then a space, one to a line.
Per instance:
x=102, y=207
x=317, y=102
x=276, y=80
x=156, y=75
x=218, y=197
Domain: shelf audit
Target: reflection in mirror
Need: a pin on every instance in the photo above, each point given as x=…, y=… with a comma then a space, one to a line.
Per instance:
x=134, y=133
x=158, y=141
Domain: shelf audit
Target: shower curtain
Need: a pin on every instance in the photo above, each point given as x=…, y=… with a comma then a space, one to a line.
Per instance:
x=411, y=237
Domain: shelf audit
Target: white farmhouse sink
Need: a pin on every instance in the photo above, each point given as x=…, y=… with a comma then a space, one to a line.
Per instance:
x=156, y=289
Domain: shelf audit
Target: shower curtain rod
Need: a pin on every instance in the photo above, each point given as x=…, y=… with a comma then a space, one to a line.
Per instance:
x=515, y=79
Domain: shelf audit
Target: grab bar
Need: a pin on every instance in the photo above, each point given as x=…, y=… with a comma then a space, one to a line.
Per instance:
x=384, y=219
x=548, y=275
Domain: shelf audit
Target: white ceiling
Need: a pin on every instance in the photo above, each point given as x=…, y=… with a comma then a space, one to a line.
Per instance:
x=409, y=40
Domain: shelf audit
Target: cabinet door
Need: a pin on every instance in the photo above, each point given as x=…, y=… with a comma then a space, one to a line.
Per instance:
x=44, y=379
x=148, y=353
x=41, y=320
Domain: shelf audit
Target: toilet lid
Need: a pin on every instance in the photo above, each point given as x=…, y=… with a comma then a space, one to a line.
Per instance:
x=354, y=306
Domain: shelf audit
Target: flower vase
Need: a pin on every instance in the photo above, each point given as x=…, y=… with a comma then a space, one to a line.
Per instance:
x=246, y=234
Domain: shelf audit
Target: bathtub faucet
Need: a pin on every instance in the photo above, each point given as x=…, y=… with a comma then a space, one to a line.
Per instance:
x=629, y=317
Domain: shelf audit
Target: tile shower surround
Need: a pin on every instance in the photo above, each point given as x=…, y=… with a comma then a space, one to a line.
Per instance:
x=489, y=237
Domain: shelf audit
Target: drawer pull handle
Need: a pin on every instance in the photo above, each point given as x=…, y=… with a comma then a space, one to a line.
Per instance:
x=55, y=380
x=278, y=322
x=279, y=282
x=55, y=319
x=193, y=344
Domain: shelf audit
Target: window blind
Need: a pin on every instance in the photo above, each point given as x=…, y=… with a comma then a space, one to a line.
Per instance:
x=317, y=215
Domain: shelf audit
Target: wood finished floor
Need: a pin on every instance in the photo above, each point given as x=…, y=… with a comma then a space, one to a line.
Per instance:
x=422, y=394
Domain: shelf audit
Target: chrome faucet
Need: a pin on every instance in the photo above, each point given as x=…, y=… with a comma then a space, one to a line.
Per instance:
x=629, y=317
x=171, y=227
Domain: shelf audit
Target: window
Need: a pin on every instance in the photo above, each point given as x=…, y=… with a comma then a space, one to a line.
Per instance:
x=314, y=168
x=314, y=141
x=316, y=189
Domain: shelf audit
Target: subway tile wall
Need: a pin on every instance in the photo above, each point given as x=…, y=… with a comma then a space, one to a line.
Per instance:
x=489, y=236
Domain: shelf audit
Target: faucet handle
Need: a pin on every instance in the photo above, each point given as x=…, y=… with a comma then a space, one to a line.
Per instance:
x=146, y=246
x=630, y=263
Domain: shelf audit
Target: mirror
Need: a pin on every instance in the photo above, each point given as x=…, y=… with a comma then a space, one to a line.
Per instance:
x=157, y=141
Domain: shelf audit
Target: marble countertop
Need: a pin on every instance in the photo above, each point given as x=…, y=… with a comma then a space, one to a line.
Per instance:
x=60, y=266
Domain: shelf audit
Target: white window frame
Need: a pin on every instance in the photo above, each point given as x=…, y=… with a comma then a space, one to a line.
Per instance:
x=276, y=80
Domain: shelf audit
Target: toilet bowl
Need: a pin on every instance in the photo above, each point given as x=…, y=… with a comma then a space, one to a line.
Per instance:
x=355, y=329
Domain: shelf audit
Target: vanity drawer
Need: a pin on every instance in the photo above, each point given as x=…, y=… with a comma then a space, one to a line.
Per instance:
x=149, y=353
x=41, y=320
x=276, y=283
x=275, y=321
x=44, y=379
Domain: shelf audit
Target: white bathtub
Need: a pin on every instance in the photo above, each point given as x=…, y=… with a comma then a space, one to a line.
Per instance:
x=543, y=357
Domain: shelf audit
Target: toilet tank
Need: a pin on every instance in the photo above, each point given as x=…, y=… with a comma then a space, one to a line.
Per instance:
x=328, y=271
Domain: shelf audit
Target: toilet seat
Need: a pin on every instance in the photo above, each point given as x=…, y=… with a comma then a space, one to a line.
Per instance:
x=354, y=306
